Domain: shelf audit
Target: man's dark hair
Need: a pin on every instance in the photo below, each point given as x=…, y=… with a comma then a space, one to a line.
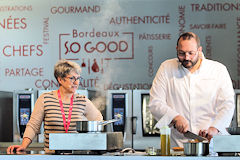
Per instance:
x=188, y=36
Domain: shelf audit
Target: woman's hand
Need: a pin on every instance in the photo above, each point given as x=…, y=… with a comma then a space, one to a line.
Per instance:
x=15, y=148
x=19, y=148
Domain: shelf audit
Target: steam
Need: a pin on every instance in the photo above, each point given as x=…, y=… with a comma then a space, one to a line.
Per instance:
x=109, y=9
x=100, y=100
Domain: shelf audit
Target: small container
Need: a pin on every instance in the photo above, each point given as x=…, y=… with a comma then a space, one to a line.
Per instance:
x=165, y=141
x=151, y=151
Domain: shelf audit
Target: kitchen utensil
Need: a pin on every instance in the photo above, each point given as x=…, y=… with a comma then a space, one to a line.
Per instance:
x=233, y=130
x=89, y=126
x=191, y=135
x=92, y=126
x=196, y=148
x=109, y=121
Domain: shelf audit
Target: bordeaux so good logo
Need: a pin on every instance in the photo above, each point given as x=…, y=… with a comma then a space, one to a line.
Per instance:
x=95, y=42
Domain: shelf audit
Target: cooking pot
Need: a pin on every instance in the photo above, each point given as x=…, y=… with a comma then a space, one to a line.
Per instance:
x=196, y=148
x=92, y=126
x=233, y=130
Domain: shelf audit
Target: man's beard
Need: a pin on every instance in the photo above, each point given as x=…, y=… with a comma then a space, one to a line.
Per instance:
x=185, y=63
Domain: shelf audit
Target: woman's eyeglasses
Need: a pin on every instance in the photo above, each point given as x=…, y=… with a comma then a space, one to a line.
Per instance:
x=74, y=79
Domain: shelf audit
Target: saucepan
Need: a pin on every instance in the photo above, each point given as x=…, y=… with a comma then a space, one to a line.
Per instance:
x=192, y=148
x=233, y=130
x=93, y=126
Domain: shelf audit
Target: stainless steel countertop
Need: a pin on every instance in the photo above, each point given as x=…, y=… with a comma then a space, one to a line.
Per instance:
x=99, y=157
x=40, y=155
x=35, y=152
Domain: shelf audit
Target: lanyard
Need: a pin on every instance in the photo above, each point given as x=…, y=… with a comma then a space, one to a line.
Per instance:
x=66, y=126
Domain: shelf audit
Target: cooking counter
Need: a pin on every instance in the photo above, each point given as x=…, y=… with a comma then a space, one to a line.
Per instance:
x=39, y=155
x=36, y=154
x=99, y=157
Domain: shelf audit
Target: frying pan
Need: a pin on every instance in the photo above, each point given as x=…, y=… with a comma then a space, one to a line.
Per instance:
x=233, y=130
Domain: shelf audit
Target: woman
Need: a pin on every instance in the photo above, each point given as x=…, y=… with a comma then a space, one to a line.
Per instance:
x=59, y=109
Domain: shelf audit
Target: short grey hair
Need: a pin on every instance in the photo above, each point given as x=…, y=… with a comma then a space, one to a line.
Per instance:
x=63, y=67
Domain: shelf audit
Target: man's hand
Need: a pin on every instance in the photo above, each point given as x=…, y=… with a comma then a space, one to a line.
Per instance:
x=208, y=133
x=181, y=124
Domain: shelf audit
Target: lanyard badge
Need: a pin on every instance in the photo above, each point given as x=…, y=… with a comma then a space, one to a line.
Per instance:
x=66, y=125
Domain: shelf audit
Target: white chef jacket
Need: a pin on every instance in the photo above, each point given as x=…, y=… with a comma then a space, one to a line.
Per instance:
x=204, y=98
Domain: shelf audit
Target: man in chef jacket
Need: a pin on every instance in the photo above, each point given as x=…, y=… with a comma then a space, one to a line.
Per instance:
x=192, y=93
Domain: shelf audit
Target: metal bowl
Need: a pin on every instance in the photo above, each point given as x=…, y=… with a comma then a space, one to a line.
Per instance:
x=196, y=148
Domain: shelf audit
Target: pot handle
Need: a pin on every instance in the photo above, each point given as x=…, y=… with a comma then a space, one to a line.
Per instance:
x=117, y=117
x=107, y=122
